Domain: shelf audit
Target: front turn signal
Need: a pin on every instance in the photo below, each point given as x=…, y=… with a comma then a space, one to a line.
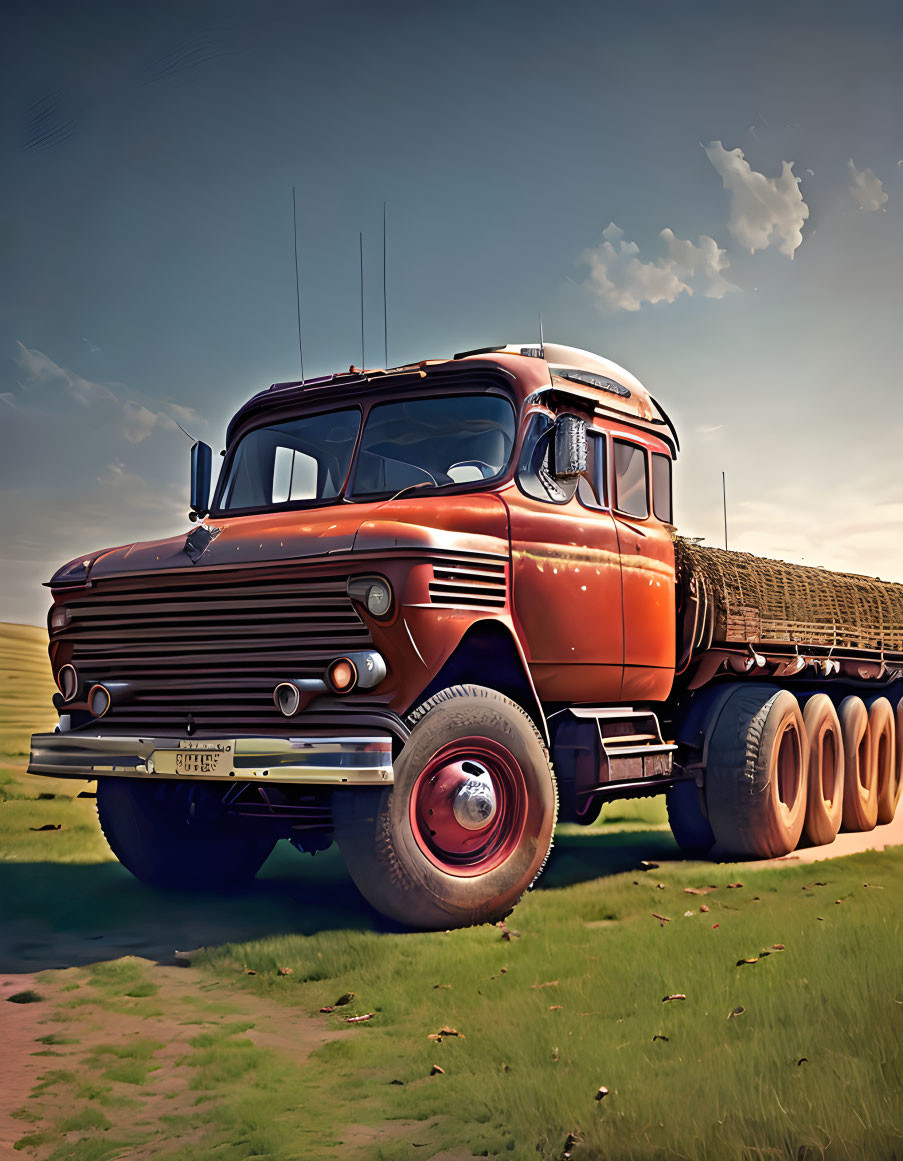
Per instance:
x=356, y=670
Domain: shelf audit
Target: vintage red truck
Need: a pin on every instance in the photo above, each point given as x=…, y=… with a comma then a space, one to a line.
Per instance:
x=430, y=610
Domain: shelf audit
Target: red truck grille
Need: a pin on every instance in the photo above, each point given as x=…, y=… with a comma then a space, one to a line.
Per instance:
x=469, y=582
x=212, y=645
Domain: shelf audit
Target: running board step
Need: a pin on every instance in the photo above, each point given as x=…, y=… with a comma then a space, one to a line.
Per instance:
x=594, y=747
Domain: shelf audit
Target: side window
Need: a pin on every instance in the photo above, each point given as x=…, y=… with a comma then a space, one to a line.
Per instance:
x=592, y=490
x=631, y=479
x=662, y=504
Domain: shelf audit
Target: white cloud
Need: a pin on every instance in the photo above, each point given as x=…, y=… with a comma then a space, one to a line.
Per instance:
x=137, y=421
x=186, y=416
x=866, y=189
x=40, y=370
x=765, y=211
x=699, y=266
x=621, y=280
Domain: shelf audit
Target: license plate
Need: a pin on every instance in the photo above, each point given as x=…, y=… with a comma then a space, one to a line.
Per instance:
x=196, y=759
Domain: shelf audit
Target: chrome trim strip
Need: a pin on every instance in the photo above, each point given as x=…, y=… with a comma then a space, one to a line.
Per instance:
x=316, y=761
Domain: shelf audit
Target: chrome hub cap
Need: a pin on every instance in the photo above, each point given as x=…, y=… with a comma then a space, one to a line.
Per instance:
x=474, y=804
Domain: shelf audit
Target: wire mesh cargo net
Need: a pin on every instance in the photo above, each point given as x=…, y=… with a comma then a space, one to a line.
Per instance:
x=757, y=599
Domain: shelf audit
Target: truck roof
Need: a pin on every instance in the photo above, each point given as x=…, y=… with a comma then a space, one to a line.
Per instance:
x=587, y=378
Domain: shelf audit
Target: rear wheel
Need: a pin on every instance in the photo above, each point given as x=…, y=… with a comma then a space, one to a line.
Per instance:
x=688, y=822
x=860, y=791
x=889, y=793
x=883, y=734
x=755, y=781
x=468, y=824
x=176, y=834
x=824, y=805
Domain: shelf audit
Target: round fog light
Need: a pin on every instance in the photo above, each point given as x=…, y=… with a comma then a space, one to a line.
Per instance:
x=341, y=675
x=379, y=599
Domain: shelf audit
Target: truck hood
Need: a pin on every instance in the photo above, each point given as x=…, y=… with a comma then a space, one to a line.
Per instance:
x=475, y=523
x=236, y=541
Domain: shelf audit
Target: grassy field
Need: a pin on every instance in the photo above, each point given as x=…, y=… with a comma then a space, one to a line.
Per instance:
x=783, y=1038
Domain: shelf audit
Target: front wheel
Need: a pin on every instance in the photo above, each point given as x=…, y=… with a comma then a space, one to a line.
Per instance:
x=177, y=835
x=468, y=824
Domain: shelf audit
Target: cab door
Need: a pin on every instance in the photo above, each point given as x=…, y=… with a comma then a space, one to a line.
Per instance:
x=566, y=581
x=643, y=522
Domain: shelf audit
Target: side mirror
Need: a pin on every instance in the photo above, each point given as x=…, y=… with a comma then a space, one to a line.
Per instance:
x=201, y=463
x=570, y=447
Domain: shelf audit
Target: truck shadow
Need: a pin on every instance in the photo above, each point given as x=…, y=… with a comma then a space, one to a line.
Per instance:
x=58, y=915
x=593, y=853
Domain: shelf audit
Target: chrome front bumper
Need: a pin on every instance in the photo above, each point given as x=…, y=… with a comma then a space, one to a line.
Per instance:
x=314, y=761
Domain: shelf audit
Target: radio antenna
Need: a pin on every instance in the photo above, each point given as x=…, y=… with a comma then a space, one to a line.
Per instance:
x=363, y=360
x=724, y=503
x=542, y=346
x=297, y=281
x=385, y=304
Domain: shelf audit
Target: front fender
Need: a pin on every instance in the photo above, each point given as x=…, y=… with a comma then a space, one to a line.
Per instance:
x=490, y=654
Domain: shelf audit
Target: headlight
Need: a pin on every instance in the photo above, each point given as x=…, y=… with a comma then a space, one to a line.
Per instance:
x=373, y=592
x=379, y=599
x=59, y=618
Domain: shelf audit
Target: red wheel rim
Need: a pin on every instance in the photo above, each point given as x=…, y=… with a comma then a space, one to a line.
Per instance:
x=473, y=850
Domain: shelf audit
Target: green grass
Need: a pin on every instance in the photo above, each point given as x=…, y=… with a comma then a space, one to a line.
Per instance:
x=26, y=690
x=810, y=1068
x=813, y=1061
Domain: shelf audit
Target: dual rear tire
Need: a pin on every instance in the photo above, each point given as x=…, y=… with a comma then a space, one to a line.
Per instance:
x=756, y=774
x=775, y=773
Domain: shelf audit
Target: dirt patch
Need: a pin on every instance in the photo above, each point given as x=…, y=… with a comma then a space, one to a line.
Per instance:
x=889, y=835
x=20, y=1026
x=122, y=1058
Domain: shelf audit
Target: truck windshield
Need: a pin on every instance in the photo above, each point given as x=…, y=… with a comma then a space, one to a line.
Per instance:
x=304, y=459
x=452, y=439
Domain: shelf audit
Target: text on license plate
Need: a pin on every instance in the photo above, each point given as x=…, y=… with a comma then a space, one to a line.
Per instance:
x=211, y=761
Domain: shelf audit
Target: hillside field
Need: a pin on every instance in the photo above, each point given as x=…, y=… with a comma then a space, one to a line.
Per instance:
x=729, y=1011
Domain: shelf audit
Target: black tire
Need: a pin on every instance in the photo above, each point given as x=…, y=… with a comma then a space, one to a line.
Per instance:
x=404, y=848
x=176, y=835
x=756, y=773
x=689, y=825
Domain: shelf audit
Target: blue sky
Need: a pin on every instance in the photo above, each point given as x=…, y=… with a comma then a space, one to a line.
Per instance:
x=531, y=158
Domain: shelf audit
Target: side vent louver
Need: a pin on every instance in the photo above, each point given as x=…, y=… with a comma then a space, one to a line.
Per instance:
x=469, y=582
